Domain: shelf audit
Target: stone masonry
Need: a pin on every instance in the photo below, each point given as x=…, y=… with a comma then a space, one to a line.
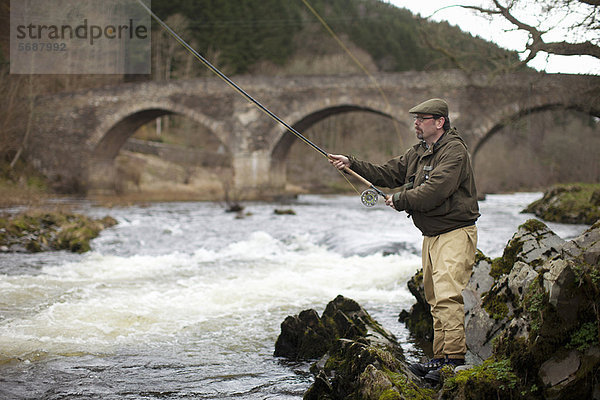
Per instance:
x=76, y=136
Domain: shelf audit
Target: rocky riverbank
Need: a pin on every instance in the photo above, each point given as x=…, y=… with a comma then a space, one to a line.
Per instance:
x=532, y=320
x=570, y=204
x=357, y=357
x=39, y=230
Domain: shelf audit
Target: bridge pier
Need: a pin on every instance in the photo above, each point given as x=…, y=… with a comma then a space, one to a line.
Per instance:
x=101, y=177
x=253, y=175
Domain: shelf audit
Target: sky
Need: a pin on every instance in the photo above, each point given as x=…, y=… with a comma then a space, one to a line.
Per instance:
x=501, y=32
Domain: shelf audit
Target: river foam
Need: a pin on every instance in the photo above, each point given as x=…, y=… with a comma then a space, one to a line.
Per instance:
x=105, y=302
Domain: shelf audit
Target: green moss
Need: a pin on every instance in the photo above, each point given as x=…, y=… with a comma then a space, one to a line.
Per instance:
x=406, y=388
x=499, y=267
x=390, y=394
x=586, y=273
x=37, y=182
x=418, y=277
x=516, y=349
x=479, y=256
x=535, y=300
x=503, y=265
x=279, y=211
x=595, y=276
x=41, y=230
x=533, y=225
x=496, y=306
x=572, y=203
x=492, y=379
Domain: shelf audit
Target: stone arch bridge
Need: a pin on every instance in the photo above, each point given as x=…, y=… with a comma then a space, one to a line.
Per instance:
x=76, y=136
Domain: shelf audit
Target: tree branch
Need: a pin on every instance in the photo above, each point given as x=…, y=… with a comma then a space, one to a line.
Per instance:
x=537, y=43
x=571, y=49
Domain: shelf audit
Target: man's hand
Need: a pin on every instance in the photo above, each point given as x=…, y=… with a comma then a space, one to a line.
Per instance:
x=389, y=201
x=339, y=161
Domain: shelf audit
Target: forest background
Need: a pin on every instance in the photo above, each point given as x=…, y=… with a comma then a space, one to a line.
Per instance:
x=283, y=38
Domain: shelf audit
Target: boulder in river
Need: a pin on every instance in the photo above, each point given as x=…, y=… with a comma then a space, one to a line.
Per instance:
x=39, y=230
x=356, y=357
x=570, y=204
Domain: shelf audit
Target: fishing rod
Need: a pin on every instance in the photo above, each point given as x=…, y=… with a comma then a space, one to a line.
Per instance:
x=368, y=197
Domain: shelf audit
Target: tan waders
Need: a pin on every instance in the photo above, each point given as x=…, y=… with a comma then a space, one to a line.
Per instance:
x=447, y=264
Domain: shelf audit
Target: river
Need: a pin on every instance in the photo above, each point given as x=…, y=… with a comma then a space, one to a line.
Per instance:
x=184, y=300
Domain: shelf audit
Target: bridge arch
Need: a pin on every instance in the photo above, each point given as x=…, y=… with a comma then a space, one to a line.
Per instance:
x=304, y=119
x=108, y=138
x=308, y=117
x=511, y=113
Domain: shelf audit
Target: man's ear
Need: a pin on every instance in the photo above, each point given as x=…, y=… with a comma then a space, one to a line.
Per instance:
x=438, y=124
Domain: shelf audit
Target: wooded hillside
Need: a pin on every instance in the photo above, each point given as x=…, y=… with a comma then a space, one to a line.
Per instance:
x=242, y=35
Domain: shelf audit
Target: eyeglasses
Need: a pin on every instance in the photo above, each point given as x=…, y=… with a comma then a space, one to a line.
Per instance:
x=421, y=119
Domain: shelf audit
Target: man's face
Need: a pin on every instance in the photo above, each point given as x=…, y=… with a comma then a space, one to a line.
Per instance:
x=425, y=126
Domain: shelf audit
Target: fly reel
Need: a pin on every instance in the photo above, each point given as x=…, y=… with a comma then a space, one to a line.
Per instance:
x=369, y=198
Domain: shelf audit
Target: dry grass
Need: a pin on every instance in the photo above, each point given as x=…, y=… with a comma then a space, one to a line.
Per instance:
x=17, y=195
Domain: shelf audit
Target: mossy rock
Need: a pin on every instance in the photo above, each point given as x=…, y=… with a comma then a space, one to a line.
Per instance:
x=38, y=230
x=571, y=204
x=364, y=370
x=282, y=211
x=494, y=379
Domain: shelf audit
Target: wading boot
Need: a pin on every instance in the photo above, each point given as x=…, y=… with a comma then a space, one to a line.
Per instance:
x=434, y=376
x=422, y=369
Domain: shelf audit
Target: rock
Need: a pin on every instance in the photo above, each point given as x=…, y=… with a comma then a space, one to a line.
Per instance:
x=364, y=360
x=308, y=336
x=36, y=231
x=418, y=320
x=554, y=326
x=303, y=337
x=481, y=329
x=532, y=319
x=282, y=211
x=559, y=282
x=373, y=383
x=560, y=370
x=571, y=204
x=533, y=243
x=234, y=208
x=532, y=329
x=479, y=283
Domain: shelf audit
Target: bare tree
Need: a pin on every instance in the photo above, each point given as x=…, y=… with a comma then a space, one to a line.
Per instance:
x=576, y=21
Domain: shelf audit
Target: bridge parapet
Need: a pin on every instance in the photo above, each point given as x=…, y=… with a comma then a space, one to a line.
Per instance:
x=76, y=136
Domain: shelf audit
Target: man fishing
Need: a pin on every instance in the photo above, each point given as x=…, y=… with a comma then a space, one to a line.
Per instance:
x=437, y=189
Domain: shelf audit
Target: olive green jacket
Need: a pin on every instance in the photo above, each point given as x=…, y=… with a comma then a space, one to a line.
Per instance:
x=437, y=184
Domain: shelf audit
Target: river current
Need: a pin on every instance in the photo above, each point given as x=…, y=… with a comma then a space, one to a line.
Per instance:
x=184, y=300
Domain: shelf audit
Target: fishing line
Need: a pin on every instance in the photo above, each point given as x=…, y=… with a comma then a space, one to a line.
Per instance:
x=366, y=196
x=357, y=62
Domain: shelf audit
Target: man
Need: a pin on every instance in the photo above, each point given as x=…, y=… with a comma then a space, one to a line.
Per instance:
x=437, y=189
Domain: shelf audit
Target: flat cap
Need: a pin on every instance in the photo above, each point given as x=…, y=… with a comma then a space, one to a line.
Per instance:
x=431, y=106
